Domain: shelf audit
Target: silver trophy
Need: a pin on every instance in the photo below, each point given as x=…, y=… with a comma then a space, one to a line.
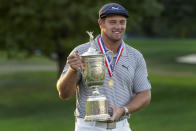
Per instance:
x=94, y=74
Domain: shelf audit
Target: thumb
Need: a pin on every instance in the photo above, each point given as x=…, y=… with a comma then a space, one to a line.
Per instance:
x=111, y=111
x=110, y=106
x=76, y=53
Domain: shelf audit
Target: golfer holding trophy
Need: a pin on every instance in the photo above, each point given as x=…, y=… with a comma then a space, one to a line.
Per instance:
x=109, y=77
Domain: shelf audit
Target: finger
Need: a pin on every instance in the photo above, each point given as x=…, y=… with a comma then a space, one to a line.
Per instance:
x=76, y=52
x=112, y=107
x=75, y=65
x=73, y=60
x=112, y=118
x=112, y=112
x=75, y=68
x=73, y=57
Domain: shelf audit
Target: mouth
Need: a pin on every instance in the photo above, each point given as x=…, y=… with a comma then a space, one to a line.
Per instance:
x=116, y=32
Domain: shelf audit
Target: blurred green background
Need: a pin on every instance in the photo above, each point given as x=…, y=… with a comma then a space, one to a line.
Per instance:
x=37, y=36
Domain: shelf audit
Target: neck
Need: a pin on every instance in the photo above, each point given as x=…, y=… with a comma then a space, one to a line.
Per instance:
x=111, y=45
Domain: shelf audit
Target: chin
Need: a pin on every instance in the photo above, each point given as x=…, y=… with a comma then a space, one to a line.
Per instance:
x=116, y=40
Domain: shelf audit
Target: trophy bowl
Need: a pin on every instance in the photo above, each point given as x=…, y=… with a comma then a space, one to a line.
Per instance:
x=94, y=70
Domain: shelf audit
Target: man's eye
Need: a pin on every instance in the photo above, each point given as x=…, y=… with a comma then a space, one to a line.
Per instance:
x=112, y=22
x=122, y=22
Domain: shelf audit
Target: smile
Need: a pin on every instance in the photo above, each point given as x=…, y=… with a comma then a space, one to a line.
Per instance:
x=116, y=32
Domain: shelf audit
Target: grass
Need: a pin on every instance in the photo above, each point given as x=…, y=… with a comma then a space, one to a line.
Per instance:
x=161, y=54
x=29, y=100
x=173, y=105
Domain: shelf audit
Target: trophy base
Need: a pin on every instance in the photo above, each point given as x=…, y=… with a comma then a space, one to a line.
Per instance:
x=96, y=108
x=100, y=117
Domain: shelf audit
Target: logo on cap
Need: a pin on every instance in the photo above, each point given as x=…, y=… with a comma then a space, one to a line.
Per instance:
x=115, y=8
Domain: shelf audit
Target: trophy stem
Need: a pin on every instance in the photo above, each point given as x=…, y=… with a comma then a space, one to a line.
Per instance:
x=95, y=91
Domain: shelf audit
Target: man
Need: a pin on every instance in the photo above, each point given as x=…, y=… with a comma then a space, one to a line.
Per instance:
x=126, y=84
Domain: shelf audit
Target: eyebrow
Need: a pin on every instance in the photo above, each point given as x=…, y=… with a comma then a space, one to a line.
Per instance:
x=115, y=20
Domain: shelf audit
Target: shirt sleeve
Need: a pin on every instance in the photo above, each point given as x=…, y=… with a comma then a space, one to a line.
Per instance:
x=141, y=81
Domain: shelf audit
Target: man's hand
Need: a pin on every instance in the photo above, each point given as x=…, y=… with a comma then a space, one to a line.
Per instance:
x=74, y=61
x=117, y=112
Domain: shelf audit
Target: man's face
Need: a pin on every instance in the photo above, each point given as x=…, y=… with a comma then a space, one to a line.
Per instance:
x=113, y=27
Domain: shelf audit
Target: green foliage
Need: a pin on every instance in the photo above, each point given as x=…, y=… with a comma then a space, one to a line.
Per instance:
x=52, y=27
x=57, y=25
x=177, y=19
x=49, y=26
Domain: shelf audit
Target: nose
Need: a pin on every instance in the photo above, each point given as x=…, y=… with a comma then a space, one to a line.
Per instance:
x=118, y=26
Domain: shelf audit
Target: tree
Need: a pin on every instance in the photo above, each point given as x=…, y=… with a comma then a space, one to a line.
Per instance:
x=143, y=14
x=55, y=26
x=51, y=26
x=177, y=18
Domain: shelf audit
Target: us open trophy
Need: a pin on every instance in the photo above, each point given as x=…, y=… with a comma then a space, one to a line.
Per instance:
x=94, y=74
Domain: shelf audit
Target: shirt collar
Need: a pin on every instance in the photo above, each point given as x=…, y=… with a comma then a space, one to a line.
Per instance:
x=124, y=53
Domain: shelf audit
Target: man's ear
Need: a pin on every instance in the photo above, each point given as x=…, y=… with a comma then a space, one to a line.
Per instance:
x=100, y=22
